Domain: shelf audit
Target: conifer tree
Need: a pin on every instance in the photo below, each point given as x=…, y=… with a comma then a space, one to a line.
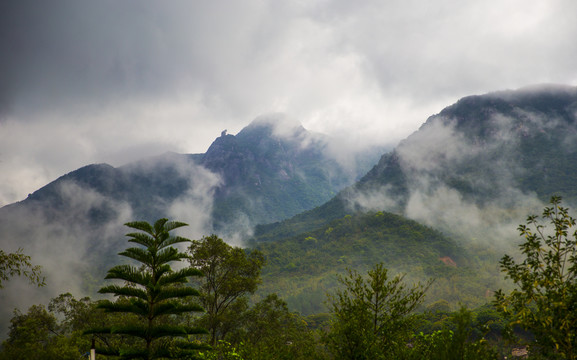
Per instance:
x=152, y=292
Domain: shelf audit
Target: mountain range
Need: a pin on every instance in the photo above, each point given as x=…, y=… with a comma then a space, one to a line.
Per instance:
x=444, y=203
x=476, y=163
x=271, y=170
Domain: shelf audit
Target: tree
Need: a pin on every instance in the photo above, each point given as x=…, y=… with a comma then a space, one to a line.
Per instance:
x=18, y=264
x=152, y=293
x=270, y=331
x=372, y=316
x=58, y=332
x=456, y=340
x=33, y=336
x=230, y=273
x=545, y=299
x=52, y=334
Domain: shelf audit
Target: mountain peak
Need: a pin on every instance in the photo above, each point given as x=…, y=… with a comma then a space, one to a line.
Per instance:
x=276, y=124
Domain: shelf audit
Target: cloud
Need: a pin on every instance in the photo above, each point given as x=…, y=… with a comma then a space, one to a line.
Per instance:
x=101, y=79
x=195, y=206
x=66, y=248
x=467, y=168
x=76, y=238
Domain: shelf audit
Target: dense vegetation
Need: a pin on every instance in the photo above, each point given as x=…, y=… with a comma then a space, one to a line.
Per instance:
x=304, y=267
x=373, y=316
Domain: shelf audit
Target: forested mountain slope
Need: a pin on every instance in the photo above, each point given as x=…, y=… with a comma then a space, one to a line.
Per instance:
x=303, y=268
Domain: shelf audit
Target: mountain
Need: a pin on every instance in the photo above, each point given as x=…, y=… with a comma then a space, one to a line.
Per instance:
x=269, y=171
x=73, y=226
x=471, y=174
x=474, y=169
x=272, y=172
x=484, y=146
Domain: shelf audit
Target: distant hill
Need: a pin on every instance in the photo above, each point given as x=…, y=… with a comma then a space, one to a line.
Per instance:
x=485, y=146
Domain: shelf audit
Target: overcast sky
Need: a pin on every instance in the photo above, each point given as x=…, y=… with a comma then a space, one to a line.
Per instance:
x=111, y=81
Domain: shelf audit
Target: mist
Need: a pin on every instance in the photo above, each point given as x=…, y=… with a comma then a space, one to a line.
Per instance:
x=77, y=235
x=470, y=185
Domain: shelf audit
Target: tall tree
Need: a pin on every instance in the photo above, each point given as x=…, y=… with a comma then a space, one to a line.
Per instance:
x=152, y=292
x=230, y=273
x=545, y=299
x=18, y=264
x=372, y=316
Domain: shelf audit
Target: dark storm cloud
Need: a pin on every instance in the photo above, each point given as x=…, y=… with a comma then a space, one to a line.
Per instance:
x=68, y=52
x=64, y=52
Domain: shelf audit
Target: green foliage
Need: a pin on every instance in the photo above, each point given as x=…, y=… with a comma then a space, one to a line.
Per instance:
x=269, y=331
x=56, y=333
x=545, y=300
x=230, y=274
x=223, y=350
x=461, y=336
x=152, y=292
x=18, y=264
x=33, y=335
x=301, y=269
x=372, y=316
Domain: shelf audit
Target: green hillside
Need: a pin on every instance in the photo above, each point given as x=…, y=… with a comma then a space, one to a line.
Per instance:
x=303, y=268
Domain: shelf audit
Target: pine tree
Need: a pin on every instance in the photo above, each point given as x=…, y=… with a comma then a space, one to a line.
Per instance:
x=153, y=293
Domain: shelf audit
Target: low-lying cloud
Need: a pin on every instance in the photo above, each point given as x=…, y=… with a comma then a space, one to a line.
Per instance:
x=76, y=236
x=468, y=184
